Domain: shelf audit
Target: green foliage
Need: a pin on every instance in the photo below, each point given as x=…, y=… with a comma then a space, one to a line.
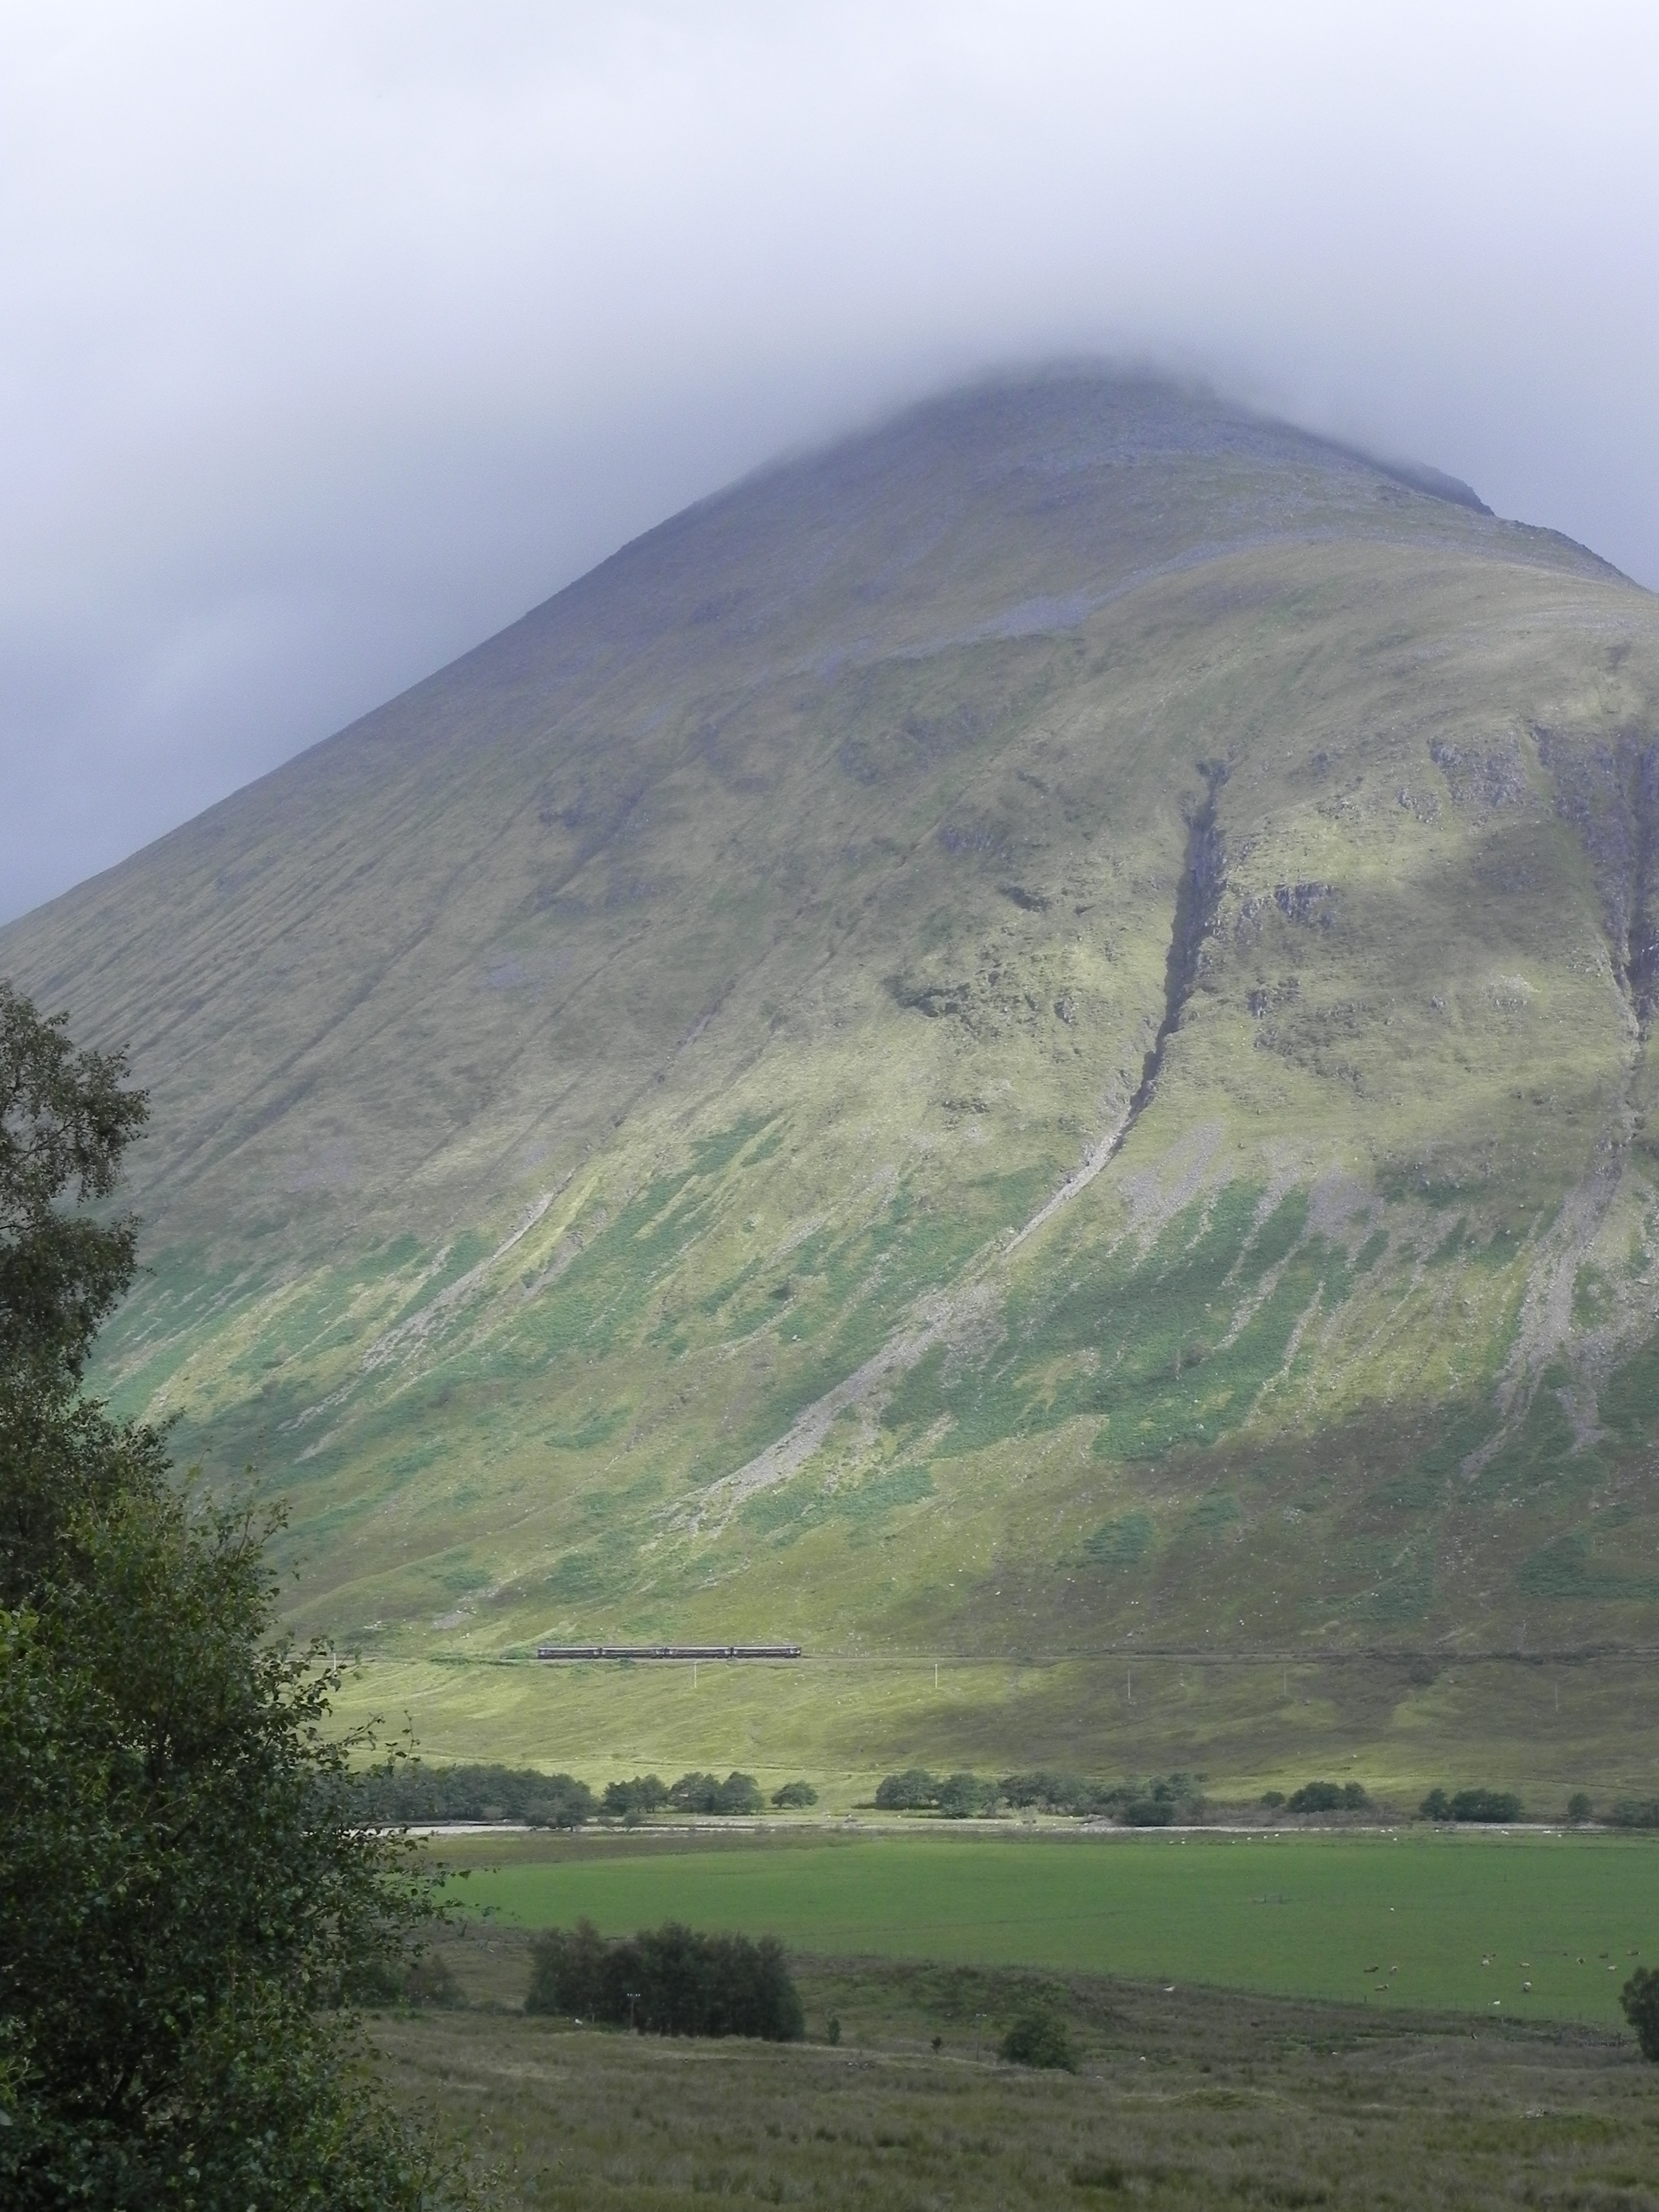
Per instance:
x=427, y=1979
x=186, y=1890
x=667, y=1981
x=1328, y=1797
x=1639, y=2002
x=964, y=1796
x=706, y=1793
x=631, y=1800
x=794, y=1796
x=959, y=1797
x=406, y=1791
x=1496, y=1807
x=914, y=1790
x=66, y=1119
x=1580, y=1808
x=1042, y=2039
x=1058, y=1793
x=1632, y=1813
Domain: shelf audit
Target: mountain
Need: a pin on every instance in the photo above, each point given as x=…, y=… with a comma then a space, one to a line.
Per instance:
x=1022, y=1041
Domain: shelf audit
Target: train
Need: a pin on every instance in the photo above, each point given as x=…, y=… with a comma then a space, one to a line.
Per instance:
x=668, y=1651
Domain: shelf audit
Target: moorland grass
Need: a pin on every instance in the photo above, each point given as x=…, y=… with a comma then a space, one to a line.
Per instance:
x=1382, y=1920
x=1182, y=2098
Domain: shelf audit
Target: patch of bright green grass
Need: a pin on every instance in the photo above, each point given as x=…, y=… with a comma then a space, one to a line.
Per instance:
x=1421, y=1920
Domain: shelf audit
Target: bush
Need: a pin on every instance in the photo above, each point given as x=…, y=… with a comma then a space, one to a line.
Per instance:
x=1328, y=1797
x=1040, y=2038
x=1635, y=1812
x=1639, y=2000
x=631, y=1800
x=1156, y=1804
x=964, y=1796
x=1272, y=1800
x=1148, y=1813
x=794, y=1796
x=915, y=1790
x=1579, y=1807
x=409, y=1793
x=425, y=1978
x=1496, y=1806
x=706, y=1793
x=667, y=1981
x=1058, y=1793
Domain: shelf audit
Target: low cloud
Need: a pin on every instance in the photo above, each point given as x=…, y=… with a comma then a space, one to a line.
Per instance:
x=331, y=336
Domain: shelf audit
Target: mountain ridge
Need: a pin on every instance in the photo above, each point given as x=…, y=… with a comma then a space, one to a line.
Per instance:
x=1064, y=978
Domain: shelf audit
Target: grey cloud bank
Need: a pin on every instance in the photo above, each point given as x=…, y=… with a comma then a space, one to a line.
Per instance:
x=333, y=337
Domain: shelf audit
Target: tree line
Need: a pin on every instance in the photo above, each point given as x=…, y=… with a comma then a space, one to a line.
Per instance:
x=667, y=1981
x=407, y=1793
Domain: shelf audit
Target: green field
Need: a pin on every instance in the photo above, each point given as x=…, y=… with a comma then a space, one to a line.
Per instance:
x=1297, y=1916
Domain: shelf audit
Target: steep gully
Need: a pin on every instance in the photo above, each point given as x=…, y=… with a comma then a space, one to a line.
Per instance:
x=1198, y=896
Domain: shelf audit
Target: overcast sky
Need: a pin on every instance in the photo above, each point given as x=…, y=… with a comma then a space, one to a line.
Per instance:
x=333, y=335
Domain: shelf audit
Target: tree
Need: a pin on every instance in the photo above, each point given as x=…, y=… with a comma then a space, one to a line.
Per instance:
x=185, y=1895
x=914, y=1790
x=667, y=1981
x=1639, y=1999
x=1040, y=2038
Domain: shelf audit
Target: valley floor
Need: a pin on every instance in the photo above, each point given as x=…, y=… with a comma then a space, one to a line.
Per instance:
x=1531, y=1924
x=1182, y=2098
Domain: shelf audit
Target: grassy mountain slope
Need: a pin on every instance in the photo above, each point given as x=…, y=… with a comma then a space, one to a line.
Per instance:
x=1026, y=1039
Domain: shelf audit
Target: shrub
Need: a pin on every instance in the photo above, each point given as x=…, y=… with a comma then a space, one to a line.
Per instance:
x=1639, y=2000
x=1635, y=1812
x=1057, y=1793
x=1155, y=1804
x=962, y=1797
x=706, y=1793
x=667, y=1981
x=794, y=1796
x=1579, y=1807
x=423, y=1980
x=1148, y=1813
x=1039, y=2039
x=1272, y=1800
x=631, y=1800
x=1492, y=1805
x=1497, y=1805
x=1328, y=1797
x=915, y=1790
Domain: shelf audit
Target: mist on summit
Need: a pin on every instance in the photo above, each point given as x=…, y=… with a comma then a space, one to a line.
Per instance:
x=333, y=339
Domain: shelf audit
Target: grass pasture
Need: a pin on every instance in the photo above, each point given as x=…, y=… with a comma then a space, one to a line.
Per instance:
x=1417, y=1919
